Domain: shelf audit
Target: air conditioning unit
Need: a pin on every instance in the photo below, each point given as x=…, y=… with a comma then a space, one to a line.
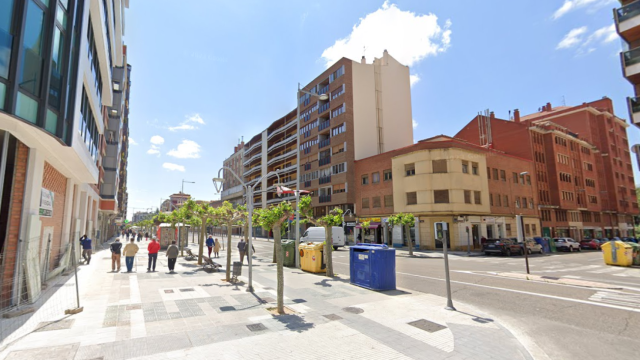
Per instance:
x=461, y=219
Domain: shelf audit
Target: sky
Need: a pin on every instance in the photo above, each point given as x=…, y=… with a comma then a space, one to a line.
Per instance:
x=207, y=73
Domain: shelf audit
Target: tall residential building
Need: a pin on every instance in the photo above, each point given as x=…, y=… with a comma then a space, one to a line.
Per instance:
x=584, y=175
x=368, y=112
x=232, y=189
x=56, y=73
x=627, y=21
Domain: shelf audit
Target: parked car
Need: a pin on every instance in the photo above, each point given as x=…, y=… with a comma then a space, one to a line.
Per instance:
x=533, y=247
x=501, y=246
x=630, y=239
x=567, y=244
x=590, y=244
x=316, y=234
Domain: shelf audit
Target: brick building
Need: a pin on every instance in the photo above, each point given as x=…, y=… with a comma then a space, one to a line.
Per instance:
x=582, y=162
x=627, y=22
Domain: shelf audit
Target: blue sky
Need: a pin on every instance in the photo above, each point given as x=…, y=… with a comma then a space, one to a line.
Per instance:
x=206, y=73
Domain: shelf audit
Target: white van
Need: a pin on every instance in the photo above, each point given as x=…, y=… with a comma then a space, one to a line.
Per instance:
x=316, y=234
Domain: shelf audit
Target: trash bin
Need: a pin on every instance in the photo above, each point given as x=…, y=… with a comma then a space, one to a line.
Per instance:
x=311, y=258
x=617, y=253
x=289, y=253
x=373, y=266
x=635, y=253
x=552, y=245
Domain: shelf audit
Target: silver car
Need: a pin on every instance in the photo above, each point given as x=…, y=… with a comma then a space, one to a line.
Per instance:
x=567, y=244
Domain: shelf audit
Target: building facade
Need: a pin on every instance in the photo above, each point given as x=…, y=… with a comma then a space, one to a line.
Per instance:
x=232, y=189
x=56, y=61
x=627, y=21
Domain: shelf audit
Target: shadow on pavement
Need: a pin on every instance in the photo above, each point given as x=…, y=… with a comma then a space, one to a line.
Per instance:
x=294, y=323
x=479, y=319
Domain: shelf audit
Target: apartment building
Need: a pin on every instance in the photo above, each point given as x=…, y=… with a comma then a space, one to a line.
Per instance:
x=368, y=112
x=444, y=179
x=627, y=21
x=582, y=162
x=56, y=64
x=232, y=189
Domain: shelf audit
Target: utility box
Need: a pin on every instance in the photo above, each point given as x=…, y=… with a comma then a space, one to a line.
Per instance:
x=373, y=266
x=289, y=253
x=311, y=258
x=617, y=253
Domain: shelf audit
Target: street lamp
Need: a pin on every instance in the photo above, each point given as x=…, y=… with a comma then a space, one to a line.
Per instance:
x=248, y=190
x=188, y=182
x=322, y=97
x=524, y=237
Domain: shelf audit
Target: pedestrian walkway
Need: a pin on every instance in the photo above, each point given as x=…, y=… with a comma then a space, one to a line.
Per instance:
x=194, y=314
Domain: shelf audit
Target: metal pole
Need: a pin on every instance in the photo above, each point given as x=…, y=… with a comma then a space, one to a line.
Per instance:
x=524, y=243
x=468, y=243
x=297, y=240
x=445, y=245
x=249, y=191
x=75, y=272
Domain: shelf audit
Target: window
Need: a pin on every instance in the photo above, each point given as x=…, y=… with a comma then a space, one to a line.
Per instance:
x=412, y=198
x=339, y=130
x=563, y=159
x=530, y=203
x=593, y=199
x=365, y=179
x=339, y=168
x=474, y=168
x=375, y=177
x=521, y=179
x=388, y=201
x=527, y=229
x=336, y=93
x=588, y=166
x=336, y=74
x=116, y=86
x=376, y=201
x=506, y=201
x=339, y=188
x=590, y=183
x=517, y=202
x=508, y=229
x=32, y=46
x=465, y=167
x=503, y=175
x=410, y=169
x=467, y=197
x=498, y=200
x=528, y=179
x=515, y=178
x=365, y=203
x=495, y=174
x=338, y=111
x=491, y=199
x=387, y=175
x=488, y=173
x=476, y=197
x=439, y=166
x=441, y=196
x=534, y=229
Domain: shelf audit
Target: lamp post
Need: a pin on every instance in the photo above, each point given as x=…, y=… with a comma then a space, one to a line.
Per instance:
x=524, y=237
x=344, y=225
x=248, y=190
x=321, y=97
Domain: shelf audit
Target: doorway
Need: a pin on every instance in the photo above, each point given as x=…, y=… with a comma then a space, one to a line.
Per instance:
x=475, y=233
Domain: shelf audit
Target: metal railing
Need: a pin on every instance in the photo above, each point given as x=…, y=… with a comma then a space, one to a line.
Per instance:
x=324, y=198
x=323, y=143
x=324, y=108
x=325, y=161
x=324, y=90
x=628, y=11
x=324, y=125
x=631, y=57
x=324, y=180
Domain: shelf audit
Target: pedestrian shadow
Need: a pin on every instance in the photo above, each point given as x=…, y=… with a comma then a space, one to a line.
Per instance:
x=324, y=283
x=294, y=323
x=478, y=319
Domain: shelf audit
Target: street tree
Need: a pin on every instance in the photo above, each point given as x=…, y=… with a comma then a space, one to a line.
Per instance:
x=273, y=218
x=407, y=221
x=333, y=218
x=227, y=215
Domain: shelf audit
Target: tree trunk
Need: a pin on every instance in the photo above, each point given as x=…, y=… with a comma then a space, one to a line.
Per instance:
x=201, y=245
x=328, y=249
x=280, y=272
x=409, y=242
x=228, y=253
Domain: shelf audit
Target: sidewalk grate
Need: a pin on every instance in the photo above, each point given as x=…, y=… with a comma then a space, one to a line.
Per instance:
x=299, y=301
x=187, y=289
x=353, y=310
x=227, y=308
x=332, y=317
x=168, y=291
x=426, y=325
x=256, y=327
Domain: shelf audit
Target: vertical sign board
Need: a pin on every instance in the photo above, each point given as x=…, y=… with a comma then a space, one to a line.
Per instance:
x=46, y=203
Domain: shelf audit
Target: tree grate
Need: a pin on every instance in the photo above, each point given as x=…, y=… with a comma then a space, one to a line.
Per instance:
x=256, y=327
x=426, y=325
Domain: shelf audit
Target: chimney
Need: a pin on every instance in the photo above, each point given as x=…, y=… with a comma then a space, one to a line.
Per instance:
x=363, y=60
x=516, y=115
x=492, y=116
x=548, y=107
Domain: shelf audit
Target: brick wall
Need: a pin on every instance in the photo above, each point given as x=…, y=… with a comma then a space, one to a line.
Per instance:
x=54, y=181
x=368, y=166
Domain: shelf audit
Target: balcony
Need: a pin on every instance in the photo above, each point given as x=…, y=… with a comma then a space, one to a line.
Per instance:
x=252, y=159
x=288, y=169
x=286, y=126
x=324, y=125
x=631, y=62
x=307, y=183
x=627, y=19
x=280, y=143
x=281, y=157
x=323, y=90
x=252, y=147
x=324, y=180
x=324, y=198
x=234, y=190
x=634, y=109
x=323, y=143
x=325, y=161
x=324, y=108
x=307, y=166
x=251, y=182
x=252, y=170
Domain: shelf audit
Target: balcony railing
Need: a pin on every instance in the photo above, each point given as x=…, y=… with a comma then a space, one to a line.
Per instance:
x=282, y=142
x=325, y=161
x=324, y=198
x=251, y=159
x=307, y=166
x=324, y=180
x=324, y=125
x=631, y=57
x=279, y=130
x=324, y=108
x=252, y=170
x=281, y=157
x=323, y=143
x=307, y=183
x=253, y=146
x=628, y=11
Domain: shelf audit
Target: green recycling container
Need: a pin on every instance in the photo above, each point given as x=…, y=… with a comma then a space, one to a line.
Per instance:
x=289, y=252
x=636, y=253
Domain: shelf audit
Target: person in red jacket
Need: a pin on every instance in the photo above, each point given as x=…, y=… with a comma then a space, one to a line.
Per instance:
x=153, y=249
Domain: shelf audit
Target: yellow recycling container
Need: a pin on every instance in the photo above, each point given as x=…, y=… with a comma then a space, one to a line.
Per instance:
x=311, y=258
x=617, y=253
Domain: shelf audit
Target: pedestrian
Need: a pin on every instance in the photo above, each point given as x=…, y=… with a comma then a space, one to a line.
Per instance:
x=153, y=249
x=130, y=250
x=210, y=244
x=216, y=248
x=86, y=249
x=172, y=254
x=115, y=248
x=242, y=247
x=146, y=236
x=359, y=236
x=139, y=236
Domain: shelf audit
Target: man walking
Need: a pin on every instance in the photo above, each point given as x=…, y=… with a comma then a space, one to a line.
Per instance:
x=153, y=249
x=172, y=254
x=130, y=251
x=210, y=244
x=86, y=249
x=115, y=247
x=242, y=247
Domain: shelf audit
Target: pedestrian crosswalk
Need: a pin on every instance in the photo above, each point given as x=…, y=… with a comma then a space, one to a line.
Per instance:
x=617, y=298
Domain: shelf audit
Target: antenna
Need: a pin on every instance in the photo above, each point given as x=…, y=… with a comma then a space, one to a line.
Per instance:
x=364, y=50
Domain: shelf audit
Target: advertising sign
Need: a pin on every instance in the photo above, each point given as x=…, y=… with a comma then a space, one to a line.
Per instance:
x=46, y=203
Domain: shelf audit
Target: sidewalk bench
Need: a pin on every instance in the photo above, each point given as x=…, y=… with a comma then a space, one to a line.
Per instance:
x=190, y=255
x=207, y=263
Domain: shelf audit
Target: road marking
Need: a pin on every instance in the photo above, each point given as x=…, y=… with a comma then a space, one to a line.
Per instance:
x=622, y=299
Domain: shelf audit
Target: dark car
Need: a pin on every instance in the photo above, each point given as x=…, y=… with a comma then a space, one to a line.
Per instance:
x=590, y=244
x=630, y=239
x=501, y=246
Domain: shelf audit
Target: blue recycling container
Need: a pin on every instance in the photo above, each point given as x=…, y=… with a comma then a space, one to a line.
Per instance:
x=373, y=266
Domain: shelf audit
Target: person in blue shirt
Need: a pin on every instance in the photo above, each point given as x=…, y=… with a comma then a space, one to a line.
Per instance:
x=209, y=243
x=86, y=249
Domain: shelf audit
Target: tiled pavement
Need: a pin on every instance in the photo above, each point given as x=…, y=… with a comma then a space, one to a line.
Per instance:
x=193, y=314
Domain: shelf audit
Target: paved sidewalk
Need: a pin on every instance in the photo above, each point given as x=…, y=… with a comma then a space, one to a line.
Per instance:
x=193, y=314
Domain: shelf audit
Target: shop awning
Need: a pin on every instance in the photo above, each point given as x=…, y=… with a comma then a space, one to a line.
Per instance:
x=372, y=225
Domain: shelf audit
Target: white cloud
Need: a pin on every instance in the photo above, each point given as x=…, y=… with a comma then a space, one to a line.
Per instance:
x=413, y=79
x=186, y=125
x=409, y=37
x=186, y=150
x=605, y=34
x=415, y=123
x=173, y=167
x=573, y=38
x=182, y=127
x=132, y=142
x=570, y=5
x=157, y=139
x=196, y=118
x=153, y=151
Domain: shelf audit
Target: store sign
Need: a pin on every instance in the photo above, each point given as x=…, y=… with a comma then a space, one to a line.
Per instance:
x=46, y=203
x=350, y=223
x=377, y=220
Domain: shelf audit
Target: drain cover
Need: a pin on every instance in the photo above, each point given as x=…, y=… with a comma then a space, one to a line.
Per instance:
x=227, y=308
x=426, y=325
x=332, y=317
x=187, y=289
x=299, y=301
x=353, y=310
x=256, y=327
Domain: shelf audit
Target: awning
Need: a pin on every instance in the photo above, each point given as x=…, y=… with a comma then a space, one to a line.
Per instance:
x=372, y=225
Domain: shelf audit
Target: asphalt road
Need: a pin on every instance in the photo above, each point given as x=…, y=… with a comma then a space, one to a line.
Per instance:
x=553, y=320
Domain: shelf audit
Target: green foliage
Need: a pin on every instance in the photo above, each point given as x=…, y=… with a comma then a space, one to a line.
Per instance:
x=274, y=216
x=334, y=218
x=402, y=219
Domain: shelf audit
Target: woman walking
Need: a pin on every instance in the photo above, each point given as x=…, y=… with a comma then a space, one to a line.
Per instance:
x=216, y=248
